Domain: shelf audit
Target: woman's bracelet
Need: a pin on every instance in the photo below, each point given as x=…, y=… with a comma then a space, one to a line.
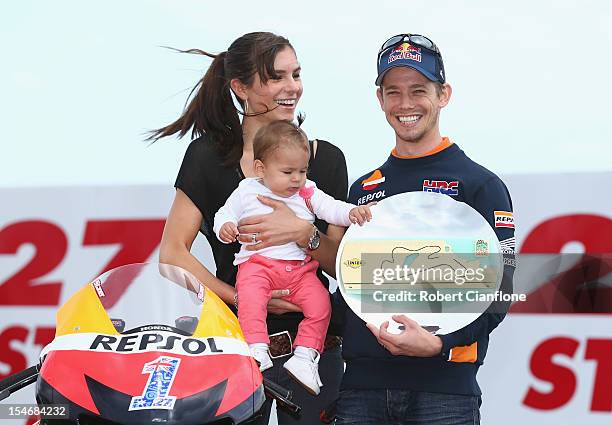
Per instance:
x=236, y=300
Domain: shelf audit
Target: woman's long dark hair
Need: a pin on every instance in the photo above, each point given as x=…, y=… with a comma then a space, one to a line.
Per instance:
x=211, y=110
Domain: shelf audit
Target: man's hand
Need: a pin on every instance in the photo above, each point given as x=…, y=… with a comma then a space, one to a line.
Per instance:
x=279, y=227
x=412, y=341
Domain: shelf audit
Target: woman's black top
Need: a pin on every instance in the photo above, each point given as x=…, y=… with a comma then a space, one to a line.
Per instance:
x=208, y=183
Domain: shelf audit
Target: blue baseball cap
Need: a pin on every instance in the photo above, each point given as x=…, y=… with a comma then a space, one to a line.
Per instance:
x=413, y=51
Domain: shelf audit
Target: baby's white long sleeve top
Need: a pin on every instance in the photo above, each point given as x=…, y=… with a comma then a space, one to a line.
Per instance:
x=243, y=203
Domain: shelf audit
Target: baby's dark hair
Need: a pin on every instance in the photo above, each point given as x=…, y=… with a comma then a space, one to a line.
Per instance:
x=276, y=135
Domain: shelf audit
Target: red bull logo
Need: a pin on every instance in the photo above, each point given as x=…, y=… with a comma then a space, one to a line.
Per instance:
x=405, y=51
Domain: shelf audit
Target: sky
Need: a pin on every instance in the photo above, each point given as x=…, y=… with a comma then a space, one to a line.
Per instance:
x=82, y=82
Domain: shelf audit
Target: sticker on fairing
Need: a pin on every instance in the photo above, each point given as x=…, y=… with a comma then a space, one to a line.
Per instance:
x=168, y=342
x=161, y=373
x=97, y=284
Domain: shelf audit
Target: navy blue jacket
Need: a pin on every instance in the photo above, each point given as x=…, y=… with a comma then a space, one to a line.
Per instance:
x=451, y=172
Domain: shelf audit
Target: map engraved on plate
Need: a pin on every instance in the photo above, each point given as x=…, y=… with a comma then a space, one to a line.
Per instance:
x=424, y=255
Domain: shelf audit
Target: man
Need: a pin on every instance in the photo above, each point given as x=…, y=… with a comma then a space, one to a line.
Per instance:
x=416, y=377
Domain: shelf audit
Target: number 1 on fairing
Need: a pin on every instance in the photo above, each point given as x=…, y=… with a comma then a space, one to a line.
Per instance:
x=161, y=376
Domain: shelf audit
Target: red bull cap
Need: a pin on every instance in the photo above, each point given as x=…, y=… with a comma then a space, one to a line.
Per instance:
x=425, y=60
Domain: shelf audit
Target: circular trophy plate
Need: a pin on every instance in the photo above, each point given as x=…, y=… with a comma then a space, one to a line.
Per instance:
x=424, y=255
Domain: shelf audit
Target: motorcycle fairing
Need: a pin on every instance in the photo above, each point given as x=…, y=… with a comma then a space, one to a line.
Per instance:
x=68, y=372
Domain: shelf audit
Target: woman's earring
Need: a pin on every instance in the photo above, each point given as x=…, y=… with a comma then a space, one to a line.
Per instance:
x=246, y=107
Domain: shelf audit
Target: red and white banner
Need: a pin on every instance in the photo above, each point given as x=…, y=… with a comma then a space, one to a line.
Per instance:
x=541, y=368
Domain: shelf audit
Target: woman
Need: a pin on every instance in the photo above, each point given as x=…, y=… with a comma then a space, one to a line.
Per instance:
x=262, y=71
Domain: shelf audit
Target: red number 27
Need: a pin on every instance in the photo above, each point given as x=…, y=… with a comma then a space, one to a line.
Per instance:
x=137, y=238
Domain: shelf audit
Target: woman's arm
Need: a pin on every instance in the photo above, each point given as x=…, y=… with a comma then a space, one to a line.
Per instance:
x=181, y=229
x=336, y=185
x=328, y=249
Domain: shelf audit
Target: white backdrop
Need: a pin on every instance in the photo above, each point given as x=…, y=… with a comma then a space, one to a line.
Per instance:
x=82, y=81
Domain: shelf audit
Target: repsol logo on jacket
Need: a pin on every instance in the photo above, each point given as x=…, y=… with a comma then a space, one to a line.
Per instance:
x=153, y=342
x=371, y=197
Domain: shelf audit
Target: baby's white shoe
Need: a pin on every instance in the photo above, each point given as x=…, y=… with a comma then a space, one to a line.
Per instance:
x=262, y=355
x=303, y=366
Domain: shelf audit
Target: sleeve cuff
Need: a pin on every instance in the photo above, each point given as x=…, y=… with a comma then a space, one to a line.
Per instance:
x=448, y=343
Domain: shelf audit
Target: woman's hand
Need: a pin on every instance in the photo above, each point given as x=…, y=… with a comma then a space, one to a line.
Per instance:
x=279, y=306
x=279, y=227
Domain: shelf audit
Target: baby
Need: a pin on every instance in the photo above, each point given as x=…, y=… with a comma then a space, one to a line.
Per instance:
x=281, y=152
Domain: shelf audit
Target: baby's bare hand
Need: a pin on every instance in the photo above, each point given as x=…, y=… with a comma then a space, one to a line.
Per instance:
x=228, y=232
x=360, y=214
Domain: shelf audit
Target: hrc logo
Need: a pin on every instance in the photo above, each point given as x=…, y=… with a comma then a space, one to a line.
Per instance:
x=441, y=186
